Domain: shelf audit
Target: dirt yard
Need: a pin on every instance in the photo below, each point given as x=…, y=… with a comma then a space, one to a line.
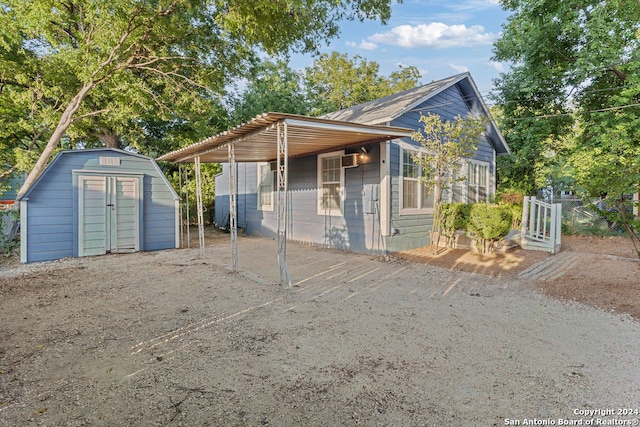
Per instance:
x=600, y=271
x=172, y=339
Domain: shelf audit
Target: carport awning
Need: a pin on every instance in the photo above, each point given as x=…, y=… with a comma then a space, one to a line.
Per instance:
x=256, y=140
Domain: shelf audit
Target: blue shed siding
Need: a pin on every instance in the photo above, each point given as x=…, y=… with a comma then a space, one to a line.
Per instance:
x=52, y=208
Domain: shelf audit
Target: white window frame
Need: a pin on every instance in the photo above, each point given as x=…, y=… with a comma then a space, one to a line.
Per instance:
x=479, y=176
x=260, y=185
x=320, y=184
x=420, y=209
x=463, y=185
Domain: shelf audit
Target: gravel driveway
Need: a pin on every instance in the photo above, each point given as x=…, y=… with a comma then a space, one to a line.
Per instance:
x=167, y=338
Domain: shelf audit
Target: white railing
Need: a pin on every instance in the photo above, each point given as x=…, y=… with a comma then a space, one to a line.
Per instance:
x=541, y=225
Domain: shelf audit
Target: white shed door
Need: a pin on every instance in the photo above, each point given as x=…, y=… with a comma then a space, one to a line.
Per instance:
x=108, y=214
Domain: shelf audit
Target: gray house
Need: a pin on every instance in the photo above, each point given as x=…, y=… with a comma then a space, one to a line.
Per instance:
x=367, y=198
x=94, y=201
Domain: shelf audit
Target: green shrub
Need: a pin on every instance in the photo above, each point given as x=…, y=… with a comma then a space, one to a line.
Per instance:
x=489, y=224
x=454, y=217
x=8, y=246
x=516, y=214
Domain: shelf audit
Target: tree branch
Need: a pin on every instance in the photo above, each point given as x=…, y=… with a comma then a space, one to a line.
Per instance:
x=92, y=113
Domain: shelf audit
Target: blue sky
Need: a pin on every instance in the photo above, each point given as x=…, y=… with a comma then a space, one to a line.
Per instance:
x=439, y=37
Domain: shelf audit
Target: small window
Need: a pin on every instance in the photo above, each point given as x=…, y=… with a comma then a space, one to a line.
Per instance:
x=415, y=197
x=330, y=184
x=265, y=187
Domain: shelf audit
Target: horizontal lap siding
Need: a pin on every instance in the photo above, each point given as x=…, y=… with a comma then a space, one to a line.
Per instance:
x=413, y=230
x=221, y=201
x=305, y=224
x=50, y=216
x=355, y=230
x=52, y=204
x=363, y=229
x=246, y=202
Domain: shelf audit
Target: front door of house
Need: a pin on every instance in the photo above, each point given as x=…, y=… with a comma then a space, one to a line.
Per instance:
x=108, y=219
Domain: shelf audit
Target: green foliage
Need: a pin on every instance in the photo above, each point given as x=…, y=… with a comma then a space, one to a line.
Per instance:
x=454, y=217
x=7, y=217
x=335, y=81
x=187, y=191
x=569, y=102
x=447, y=143
x=489, y=224
x=90, y=70
x=273, y=86
x=568, y=57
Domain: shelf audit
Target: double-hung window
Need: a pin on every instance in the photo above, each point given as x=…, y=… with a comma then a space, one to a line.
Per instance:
x=415, y=197
x=478, y=179
x=330, y=184
x=265, y=187
x=458, y=193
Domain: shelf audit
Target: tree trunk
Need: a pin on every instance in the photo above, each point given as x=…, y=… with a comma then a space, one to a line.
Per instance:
x=110, y=139
x=435, y=225
x=65, y=121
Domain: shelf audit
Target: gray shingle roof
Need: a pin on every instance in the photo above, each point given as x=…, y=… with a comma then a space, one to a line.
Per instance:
x=383, y=110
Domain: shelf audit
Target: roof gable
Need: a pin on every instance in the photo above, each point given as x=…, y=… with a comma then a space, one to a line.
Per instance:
x=384, y=110
x=97, y=151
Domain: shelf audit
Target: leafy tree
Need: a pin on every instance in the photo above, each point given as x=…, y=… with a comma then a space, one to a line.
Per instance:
x=60, y=52
x=336, y=81
x=273, y=86
x=446, y=143
x=575, y=77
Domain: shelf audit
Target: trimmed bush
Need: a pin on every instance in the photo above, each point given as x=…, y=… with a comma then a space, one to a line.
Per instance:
x=489, y=224
x=454, y=217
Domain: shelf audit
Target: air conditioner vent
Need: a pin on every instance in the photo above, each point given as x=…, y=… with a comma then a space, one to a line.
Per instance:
x=349, y=161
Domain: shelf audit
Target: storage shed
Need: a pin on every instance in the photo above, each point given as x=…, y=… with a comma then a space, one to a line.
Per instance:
x=96, y=201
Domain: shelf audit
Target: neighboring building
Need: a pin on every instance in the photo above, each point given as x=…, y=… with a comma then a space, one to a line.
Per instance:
x=94, y=201
x=367, y=198
x=9, y=187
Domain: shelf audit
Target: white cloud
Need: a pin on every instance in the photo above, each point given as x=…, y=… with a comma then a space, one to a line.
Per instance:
x=498, y=66
x=435, y=34
x=459, y=68
x=365, y=45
